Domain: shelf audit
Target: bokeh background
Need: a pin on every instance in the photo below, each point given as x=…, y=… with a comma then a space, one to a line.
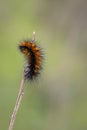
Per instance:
x=58, y=99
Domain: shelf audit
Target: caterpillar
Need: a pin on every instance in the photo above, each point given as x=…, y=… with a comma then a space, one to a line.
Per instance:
x=33, y=56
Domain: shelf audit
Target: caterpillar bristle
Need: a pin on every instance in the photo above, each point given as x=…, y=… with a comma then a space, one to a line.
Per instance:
x=33, y=55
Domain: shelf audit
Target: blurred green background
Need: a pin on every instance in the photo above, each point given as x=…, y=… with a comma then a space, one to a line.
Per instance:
x=58, y=99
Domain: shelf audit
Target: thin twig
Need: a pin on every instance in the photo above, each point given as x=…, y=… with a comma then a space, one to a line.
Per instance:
x=19, y=98
x=18, y=101
x=33, y=36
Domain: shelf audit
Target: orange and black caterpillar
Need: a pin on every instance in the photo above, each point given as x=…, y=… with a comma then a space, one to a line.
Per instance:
x=33, y=55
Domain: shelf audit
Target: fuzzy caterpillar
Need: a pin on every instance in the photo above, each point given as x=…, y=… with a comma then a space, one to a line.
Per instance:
x=33, y=55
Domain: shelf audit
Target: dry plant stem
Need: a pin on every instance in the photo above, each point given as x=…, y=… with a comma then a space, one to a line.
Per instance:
x=18, y=101
x=20, y=95
x=33, y=36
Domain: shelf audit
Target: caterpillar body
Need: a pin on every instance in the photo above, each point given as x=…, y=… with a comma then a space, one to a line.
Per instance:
x=33, y=55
